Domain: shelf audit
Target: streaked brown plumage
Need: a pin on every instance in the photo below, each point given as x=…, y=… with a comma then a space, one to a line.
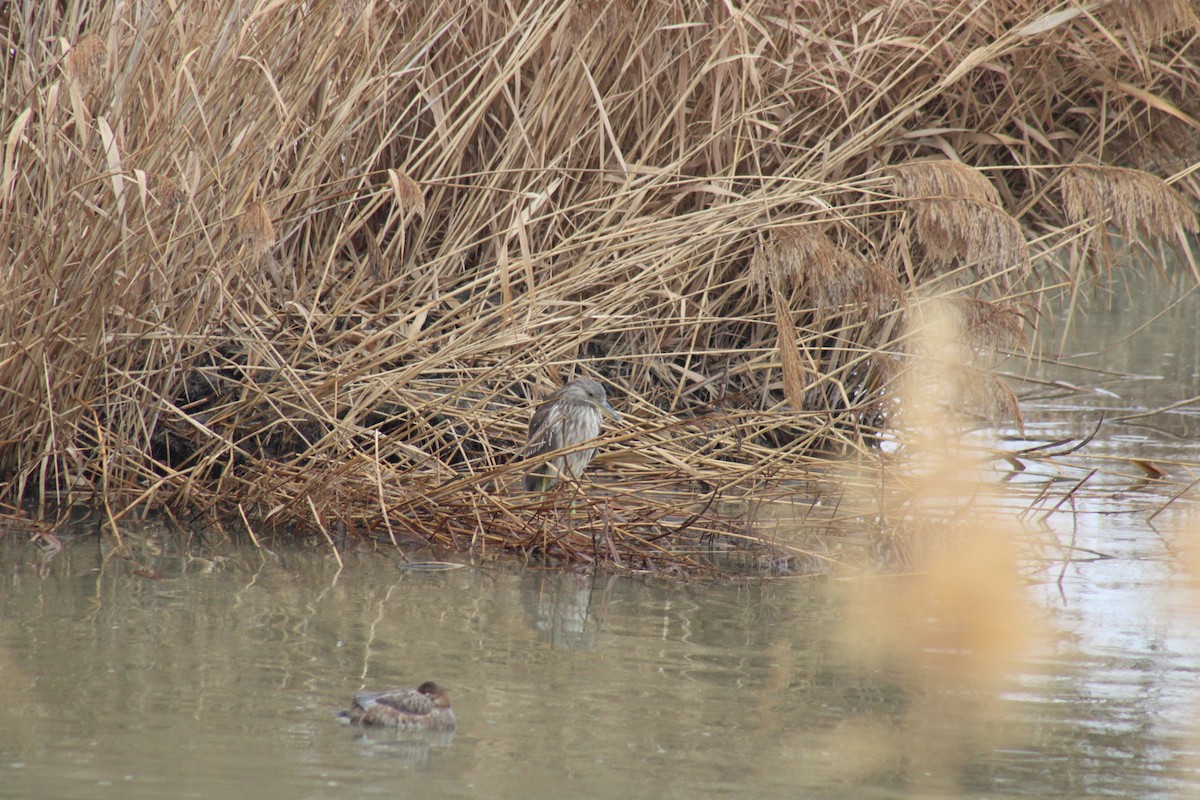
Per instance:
x=569, y=417
x=425, y=708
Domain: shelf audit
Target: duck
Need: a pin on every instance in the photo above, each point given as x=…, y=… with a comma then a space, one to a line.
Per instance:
x=425, y=708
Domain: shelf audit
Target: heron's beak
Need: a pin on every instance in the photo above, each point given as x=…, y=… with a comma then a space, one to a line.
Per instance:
x=605, y=407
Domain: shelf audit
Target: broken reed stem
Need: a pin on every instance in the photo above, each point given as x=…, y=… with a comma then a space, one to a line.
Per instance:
x=321, y=526
x=383, y=512
x=249, y=528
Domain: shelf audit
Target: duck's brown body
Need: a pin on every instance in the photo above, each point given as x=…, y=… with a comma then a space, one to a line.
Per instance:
x=425, y=708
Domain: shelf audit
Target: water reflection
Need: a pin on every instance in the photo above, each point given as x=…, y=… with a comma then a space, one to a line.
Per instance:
x=414, y=746
x=566, y=609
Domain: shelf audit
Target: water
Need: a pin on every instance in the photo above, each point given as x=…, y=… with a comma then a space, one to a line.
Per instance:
x=183, y=668
x=222, y=678
x=226, y=675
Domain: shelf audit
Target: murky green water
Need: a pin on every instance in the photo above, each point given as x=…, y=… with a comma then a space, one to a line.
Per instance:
x=214, y=670
x=222, y=677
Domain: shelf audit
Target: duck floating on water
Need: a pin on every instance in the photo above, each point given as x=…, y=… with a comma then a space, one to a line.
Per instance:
x=425, y=708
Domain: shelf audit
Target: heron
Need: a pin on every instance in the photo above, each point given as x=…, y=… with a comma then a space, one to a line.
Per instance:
x=569, y=417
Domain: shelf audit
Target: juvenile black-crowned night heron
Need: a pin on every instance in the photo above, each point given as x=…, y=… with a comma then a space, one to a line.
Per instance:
x=569, y=417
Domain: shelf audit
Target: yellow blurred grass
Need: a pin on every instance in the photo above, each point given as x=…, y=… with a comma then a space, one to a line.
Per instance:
x=958, y=622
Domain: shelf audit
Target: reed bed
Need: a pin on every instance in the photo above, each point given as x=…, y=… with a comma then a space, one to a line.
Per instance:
x=311, y=264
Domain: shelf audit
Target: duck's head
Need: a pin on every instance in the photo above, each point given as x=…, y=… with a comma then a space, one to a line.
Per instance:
x=435, y=693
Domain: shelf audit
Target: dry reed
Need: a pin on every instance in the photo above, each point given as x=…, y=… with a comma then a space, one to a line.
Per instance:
x=454, y=204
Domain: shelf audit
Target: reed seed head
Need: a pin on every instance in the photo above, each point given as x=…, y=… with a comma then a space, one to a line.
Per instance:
x=833, y=277
x=989, y=325
x=971, y=230
x=795, y=255
x=1134, y=202
x=602, y=19
x=86, y=61
x=256, y=228
x=167, y=192
x=923, y=179
x=409, y=196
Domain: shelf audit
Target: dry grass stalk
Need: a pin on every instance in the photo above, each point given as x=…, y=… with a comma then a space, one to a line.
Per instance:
x=958, y=216
x=797, y=371
x=579, y=210
x=864, y=283
x=797, y=255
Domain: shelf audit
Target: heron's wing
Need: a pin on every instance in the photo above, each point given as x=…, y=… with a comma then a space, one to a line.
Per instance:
x=546, y=428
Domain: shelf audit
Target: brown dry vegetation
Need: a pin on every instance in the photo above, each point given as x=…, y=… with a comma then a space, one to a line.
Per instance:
x=310, y=263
